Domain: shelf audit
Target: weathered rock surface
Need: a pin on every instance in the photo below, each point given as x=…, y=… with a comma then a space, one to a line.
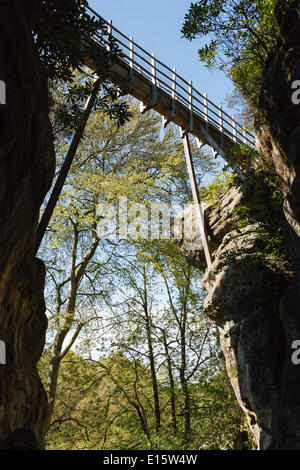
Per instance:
x=277, y=127
x=256, y=308
x=26, y=171
x=243, y=296
x=277, y=121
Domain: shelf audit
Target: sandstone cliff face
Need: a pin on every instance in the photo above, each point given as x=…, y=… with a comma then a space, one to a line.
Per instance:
x=257, y=308
x=243, y=301
x=277, y=127
x=26, y=171
x=243, y=296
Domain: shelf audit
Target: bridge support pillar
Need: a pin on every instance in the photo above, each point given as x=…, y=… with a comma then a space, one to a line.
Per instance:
x=196, y=198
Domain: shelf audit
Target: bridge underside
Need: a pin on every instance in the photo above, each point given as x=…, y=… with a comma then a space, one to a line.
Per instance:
x=151, y=96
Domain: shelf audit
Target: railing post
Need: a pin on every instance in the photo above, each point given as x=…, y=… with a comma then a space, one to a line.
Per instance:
x=205, y=111
x=143, y=107
x=167, y=120
x=174, y=83
x=154, y=82
x=131, y=64
x=191, y=123
x=109, y=31
x=221, y=123
x=191, y=106
x=131, y=52
x=153, y=69
x=234, y=129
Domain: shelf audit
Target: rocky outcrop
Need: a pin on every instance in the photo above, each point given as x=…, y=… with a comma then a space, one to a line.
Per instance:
x=277, y=127
x=243, y=297
x=254, y=303
x=26, y=171
x=277, y=122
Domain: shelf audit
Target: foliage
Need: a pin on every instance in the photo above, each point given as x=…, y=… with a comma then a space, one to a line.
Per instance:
x=58, y=30
x=212, y=193
x=101, y=404
x=238, y=36
x=135, y=302
x=260, y=207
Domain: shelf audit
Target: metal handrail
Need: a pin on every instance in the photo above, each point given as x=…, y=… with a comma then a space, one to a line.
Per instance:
x=174, y=85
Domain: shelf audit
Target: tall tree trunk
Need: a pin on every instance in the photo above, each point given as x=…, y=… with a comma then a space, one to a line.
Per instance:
x=171, y=381
x=183, y=364
x=151, y=355
x=67, y=323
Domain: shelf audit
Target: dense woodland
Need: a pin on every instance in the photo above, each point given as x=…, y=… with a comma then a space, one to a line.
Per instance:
x=131, y=360
x=129, y=304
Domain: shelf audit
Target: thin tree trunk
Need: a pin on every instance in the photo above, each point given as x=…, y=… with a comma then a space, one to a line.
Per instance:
x=183, y=364
x=57, y=353
x=151, y=356
x=135, y=405
x=171, y=381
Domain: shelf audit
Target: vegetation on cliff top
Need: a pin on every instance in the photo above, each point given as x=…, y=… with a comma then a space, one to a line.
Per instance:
x=237, y=37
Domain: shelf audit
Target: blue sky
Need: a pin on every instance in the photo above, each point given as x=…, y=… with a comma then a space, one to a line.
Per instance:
x=156, y=26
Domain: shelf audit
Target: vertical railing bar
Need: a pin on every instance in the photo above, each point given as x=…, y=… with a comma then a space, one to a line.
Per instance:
x=167, y=120
x=205, y=110
x=234, y=129
x=191, y=105
x=153, y=69
x=131, y=64
x=154, y=81
x=191, y=95
x=109, y=31
x=174, y=84
x=173, y=92
x=221, y=123
x=221, y=118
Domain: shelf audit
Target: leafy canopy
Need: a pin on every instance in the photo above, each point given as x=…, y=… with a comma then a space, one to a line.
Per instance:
x=60, y=32
x=58, y=29
x=237, y=36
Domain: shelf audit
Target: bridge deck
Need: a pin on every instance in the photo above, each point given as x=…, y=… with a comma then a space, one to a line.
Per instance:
x=156, y=86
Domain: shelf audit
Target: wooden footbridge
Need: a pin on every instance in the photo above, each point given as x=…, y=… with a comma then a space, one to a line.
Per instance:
x=156, y=86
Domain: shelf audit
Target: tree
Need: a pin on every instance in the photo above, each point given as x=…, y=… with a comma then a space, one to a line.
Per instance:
x=238, y=36
x=111, y=162
x=106, y=403
x=165, y=330
x=61, y=34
